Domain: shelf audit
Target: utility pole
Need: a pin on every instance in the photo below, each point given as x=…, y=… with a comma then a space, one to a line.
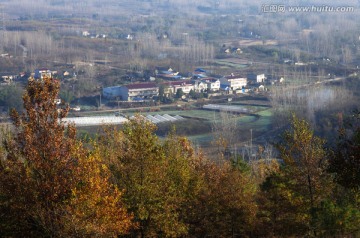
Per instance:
x=3, y=27
x=251, y=144
x=3, y=18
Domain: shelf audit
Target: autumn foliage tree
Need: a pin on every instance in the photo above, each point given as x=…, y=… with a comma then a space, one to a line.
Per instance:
x=343, y=213
x=141, y=167
x=293, y=196
x=172, y=189
x=345, y=161
x=51, y=186
x=224, y=206
x=129, y=182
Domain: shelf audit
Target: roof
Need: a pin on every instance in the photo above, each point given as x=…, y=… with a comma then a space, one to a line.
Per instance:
x=200, y=70
x=111, y=88
x=255, y=74
x=210, y=79
x=167, y=72
x=232, y=76
x=164, y=69
x=42, y=69
x=199, y=76
x=177, y=83
x=140, y=85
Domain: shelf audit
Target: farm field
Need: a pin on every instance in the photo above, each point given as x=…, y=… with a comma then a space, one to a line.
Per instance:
x=195, y=113
x=198, y=122
x=260, y=123
x=226, y=64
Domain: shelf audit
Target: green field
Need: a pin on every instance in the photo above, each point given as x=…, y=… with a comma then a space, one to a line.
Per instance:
x=262, y=123
x=259, y=124
x=198, y=124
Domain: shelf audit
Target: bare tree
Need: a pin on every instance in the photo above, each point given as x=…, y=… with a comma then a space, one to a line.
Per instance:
x=225, y=132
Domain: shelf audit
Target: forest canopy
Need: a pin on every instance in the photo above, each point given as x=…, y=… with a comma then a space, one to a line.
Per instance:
x=129, y=182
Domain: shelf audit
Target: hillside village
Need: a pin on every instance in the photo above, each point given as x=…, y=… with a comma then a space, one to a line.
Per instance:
x=168, y=83
x=173, y=84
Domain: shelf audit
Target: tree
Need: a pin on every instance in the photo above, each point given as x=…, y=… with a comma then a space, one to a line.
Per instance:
x=281, y=212
x=161, y=93
x=50, y=184
x=179, y=93
x=294, y=194
x=345, y=160
x=225, y=131
x=96, y=207
x=67, y=95
x=140, y=174
x=172, y=189
x=10, y=97
x=342, y=214
x=137, y=161
x=157, y=177
x=192, y=94
x=224, y=205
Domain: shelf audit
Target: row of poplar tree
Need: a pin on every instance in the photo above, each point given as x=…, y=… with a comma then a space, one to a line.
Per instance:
x=129, y=183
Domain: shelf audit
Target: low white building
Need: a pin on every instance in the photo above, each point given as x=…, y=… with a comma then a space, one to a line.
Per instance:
x=172, y=87
x=233, y=81
x=44, y=73
x=199, y=85
x=272, y=79
x=86, y=33
x=213, y=84
x=129, y=37
x=256, y=78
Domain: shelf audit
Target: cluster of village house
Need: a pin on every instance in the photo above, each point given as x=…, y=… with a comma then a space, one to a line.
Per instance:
x=92, y=35
x=173, y=82
x=199, y=82
x=7, y=79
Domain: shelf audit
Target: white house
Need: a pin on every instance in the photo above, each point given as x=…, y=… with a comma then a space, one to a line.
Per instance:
x=129, y=37
x=233, y=81
x=86, y=33
x=172, y=87
x=256, y=78
x=42, y=73
x=261, y=88
x=186, y=87
x=272, y=79
x=199, y=85
x=7, y=79
x=213, y=84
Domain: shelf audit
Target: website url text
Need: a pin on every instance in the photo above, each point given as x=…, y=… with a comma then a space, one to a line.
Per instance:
x=278, y=8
